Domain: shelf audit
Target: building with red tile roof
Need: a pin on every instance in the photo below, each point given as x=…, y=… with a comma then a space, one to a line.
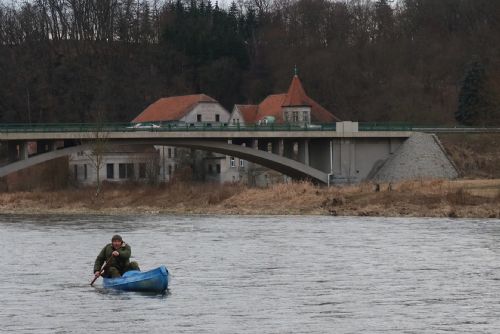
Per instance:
x=294, y=106
x=189, y=110
x=246, y=113
x=199, y=108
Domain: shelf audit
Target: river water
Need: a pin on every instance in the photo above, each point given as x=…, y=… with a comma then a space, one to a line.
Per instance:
x=255, y=275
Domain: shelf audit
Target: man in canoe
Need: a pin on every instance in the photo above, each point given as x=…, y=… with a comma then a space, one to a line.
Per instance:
x=119, y=254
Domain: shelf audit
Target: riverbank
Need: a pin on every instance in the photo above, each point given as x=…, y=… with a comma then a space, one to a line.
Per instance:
x=460, y=198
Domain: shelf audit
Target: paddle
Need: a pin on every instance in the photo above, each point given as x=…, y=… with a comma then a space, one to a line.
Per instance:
x=102, y=270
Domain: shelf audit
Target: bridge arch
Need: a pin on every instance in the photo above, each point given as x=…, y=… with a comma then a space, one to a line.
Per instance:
x=290, y=167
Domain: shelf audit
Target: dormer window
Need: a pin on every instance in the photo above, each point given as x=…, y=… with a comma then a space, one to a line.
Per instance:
x=305, y=116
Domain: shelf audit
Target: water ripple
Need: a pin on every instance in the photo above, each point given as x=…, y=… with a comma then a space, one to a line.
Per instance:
x=255, y=275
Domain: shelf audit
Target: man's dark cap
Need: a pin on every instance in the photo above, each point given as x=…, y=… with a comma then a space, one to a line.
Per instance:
x=116, y=237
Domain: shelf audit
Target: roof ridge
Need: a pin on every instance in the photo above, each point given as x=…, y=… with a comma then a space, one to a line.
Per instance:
x=172, y=108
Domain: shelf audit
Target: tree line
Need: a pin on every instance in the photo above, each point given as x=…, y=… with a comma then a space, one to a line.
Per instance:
x=419, y=61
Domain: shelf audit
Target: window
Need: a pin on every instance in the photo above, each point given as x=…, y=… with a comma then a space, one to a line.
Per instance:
x=122, y=171
x=130, y=171
x=175, y=152
x=210, y=171
x=295, y=116
x=169, y=152
x=242, y=163
x=75, y=171
x=125, y=171
x=169, y=169
x=198, y=118
x=218, y=168
x=305, y=117
x=231, y=162
x=217, y=118
x=142, y=170
x=85, y=171
x=110, y=171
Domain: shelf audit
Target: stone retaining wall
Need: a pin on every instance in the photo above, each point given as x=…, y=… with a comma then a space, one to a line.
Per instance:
x=420, y=157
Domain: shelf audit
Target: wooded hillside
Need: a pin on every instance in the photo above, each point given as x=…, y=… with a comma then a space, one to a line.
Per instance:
x=419, y=61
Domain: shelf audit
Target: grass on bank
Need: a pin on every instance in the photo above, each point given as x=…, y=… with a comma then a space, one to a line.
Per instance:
x=461, y=198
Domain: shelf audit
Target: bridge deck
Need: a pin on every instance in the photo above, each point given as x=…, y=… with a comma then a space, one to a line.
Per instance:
x=59, y=131
x=26, y=136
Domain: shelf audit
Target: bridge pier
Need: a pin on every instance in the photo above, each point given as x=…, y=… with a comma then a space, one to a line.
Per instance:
x=263, y=145
x=303, y=153
x=255, y=144
x=281, y=147
x=44, y=146
x=17, y=150
x=343, y=158
x=12, y=151
x=278, y=147
x=355, y=159
x=320, y=154
x=288, y=149
x=347, y=158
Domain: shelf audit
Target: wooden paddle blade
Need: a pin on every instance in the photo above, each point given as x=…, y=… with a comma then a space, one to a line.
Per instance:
x=102, y=269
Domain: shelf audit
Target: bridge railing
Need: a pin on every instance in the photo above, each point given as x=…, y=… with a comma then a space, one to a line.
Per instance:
x=154, y=127
x=182, y=127
x=61, y=127
x=431, y=128
x=385, y=126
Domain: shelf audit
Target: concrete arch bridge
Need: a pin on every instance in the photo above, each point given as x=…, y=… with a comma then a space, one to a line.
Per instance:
x=321, y=154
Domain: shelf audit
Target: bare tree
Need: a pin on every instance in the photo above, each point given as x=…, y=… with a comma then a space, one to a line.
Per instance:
x=153, y=169
x=97, y=140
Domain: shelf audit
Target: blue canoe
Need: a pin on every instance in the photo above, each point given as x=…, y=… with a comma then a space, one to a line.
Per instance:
x=155, y=280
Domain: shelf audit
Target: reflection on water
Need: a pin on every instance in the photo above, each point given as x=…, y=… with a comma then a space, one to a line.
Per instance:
x=255, y=275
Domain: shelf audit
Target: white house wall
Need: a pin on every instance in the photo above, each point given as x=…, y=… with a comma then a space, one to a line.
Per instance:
x=208, y=112
x=80, y=160
x=168, y=162
x=233, y=173
x=236, y=118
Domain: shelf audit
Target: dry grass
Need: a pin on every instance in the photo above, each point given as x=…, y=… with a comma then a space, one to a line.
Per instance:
x=475, y=155
x=463, y=198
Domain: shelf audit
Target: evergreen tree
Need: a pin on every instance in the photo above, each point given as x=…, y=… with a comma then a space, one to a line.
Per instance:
x=472, y=99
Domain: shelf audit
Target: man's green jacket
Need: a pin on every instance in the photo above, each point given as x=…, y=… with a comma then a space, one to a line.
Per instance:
x=120, y=262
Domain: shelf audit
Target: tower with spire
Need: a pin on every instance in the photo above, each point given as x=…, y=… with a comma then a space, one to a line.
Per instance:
x=292, y=107
x=295, y=108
